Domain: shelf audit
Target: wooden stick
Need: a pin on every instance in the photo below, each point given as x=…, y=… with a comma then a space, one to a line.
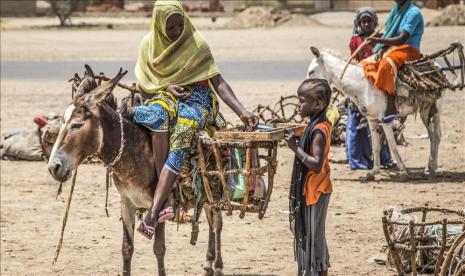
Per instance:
x=449, y=66
x=421, y=255
x=133, y=92
x=272, y=152
x=440, y=260
x=219, y=167
x=65, y=218
x=246, y=174
x=450, y=254
x=413, y=246
x=390, y=244
x=462, y=70
x=358, y=50
x=203, y=169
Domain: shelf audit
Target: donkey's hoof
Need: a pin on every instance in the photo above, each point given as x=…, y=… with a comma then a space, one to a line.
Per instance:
x=403, y=177
x=429, y=172
x=370, y=177
x=207, y=273
x=207, y=269
x=218, y=272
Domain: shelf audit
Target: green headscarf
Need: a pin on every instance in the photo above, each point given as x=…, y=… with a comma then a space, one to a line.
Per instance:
x=393, y=22
x=163, y=62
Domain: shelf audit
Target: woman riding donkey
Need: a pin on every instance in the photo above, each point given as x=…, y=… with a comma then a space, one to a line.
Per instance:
x=358, y=141
x=404, y=29
x=176, y=70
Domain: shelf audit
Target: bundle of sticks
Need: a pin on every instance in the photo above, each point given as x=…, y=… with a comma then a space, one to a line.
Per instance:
x=427, y=73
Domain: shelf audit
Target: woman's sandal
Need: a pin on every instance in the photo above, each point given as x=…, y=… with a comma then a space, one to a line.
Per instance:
x=166, y=214
x=146, y=230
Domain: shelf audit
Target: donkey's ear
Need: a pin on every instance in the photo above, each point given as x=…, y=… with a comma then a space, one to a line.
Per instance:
x=107, y=87
x=315, y=51
x=89, y=71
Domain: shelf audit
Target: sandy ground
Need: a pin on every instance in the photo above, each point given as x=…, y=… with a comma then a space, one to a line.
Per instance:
x=31, y=217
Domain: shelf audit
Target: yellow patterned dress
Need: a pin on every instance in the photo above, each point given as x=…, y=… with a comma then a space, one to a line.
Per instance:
x=181, y=118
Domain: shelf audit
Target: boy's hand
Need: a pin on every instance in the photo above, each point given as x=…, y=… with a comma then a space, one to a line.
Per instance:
x=379, y=55
x=374, y=39
x=291, y=139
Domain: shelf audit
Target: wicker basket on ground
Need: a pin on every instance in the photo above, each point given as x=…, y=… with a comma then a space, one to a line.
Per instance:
x=420, y=245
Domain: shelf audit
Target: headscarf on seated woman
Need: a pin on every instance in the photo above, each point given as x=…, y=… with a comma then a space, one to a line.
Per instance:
x=163, y=62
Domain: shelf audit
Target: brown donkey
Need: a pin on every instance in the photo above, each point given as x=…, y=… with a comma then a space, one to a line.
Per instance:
x=93, y=127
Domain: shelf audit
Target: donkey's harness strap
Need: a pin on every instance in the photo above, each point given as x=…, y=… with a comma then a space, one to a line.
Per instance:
x=110, y=165
x=121, y=147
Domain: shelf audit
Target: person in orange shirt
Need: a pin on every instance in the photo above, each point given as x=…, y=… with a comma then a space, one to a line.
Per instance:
x=311, y=183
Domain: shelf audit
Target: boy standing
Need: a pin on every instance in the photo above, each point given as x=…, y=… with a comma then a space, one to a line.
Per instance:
x=311, y=183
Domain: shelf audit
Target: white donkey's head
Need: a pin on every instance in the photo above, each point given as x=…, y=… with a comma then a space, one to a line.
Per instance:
x=317, y=68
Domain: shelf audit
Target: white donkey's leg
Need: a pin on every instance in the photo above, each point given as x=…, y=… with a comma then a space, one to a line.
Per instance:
x=433, y=163
x=376, y=147
x=389, y=133
x=433, y=125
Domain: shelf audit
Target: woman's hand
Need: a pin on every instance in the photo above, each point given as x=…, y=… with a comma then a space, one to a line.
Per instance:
x=179, y=92
x=250, y=120
x=291, y=139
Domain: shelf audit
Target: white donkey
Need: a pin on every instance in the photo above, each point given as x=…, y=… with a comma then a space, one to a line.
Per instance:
x=372, y=103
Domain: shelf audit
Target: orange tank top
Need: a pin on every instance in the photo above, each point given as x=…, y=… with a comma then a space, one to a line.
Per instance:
x=318, y=183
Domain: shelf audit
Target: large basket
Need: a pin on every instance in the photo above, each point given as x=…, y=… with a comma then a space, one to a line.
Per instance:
x=207, y=147
x=420, y=246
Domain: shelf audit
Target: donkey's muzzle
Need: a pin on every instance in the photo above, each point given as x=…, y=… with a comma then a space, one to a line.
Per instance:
x=59, y=167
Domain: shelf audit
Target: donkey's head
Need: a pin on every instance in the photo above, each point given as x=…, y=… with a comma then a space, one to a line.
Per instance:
x=81, y=134
x=317, y=67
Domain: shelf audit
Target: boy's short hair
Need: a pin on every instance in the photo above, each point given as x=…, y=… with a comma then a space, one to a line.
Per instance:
x=319, y=87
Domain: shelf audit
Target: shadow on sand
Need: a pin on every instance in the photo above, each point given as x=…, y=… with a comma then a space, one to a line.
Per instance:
x=251, y=274
x=416, y=175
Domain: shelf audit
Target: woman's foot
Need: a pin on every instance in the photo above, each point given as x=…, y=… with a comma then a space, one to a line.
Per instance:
x=166, y=213
x=146, y=230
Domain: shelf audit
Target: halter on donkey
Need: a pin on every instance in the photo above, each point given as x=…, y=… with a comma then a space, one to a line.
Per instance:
x=92, y=126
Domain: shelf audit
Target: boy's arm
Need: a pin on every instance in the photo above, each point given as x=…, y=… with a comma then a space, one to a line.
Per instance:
x=313, y=161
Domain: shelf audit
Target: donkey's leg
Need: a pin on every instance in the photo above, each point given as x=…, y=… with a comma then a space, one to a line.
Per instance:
x=376, y=147
x=128, y=213
x=211, y=242
x=159, y=247
x=432, y=122
x=389, y=133
x=217, y=228
x=433, y=165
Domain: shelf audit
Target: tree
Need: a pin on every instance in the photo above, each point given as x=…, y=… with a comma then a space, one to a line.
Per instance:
x=63, y=9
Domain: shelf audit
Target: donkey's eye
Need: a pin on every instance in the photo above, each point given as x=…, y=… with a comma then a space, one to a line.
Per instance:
x=76, y=126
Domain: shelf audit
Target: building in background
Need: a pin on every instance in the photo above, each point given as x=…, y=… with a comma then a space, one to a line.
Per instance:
x=436, y=4
x=17, y=7
x=337, y=5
